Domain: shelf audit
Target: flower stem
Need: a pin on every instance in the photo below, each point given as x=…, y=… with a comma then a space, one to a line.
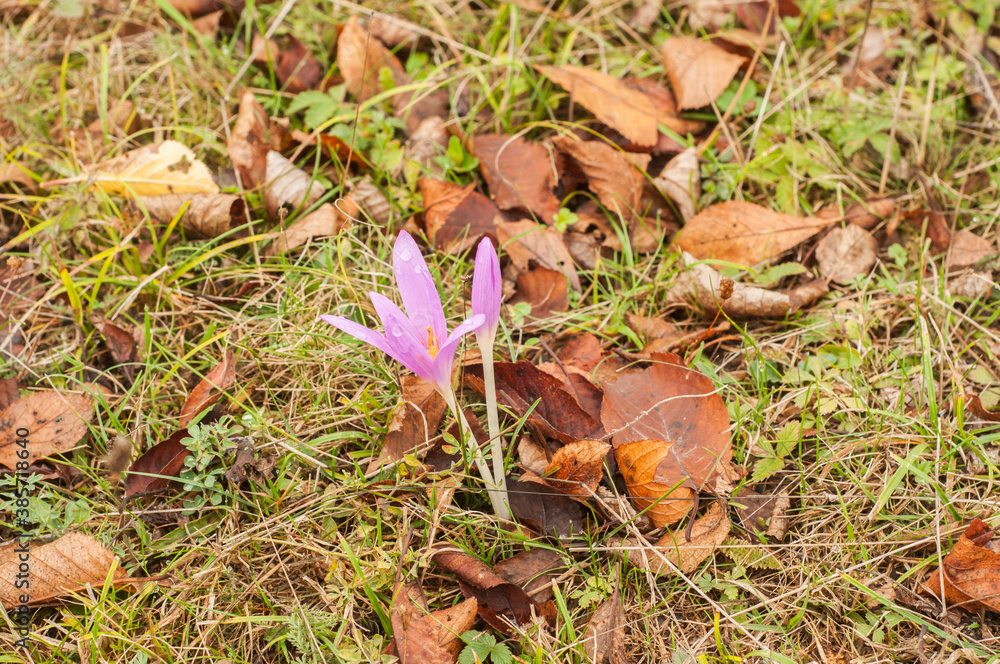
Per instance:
x=497, y=497
x=493, y=418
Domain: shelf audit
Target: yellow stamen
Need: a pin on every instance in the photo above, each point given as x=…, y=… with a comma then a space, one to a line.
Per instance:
x=432, y=347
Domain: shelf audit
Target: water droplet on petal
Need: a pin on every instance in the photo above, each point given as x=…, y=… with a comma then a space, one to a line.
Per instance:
x=397, y=331
x=405, y=254
x=417, y=270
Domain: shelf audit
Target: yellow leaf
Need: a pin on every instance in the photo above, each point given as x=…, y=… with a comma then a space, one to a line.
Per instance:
x=155, y=170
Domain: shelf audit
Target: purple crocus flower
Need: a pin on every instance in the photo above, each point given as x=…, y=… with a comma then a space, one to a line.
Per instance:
x=487, y=294
x=419, y=339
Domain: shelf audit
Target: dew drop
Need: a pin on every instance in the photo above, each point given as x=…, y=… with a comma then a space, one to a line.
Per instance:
x=397, y=331
x=417, y=270
x=405, y=254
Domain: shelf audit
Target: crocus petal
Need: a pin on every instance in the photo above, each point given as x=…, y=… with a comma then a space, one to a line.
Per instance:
x=445, y=357
x=357, y=331
x=404, y=340
x=417, y=288
x=487, y=292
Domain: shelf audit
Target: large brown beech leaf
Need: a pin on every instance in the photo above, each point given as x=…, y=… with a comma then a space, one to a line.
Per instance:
x=970, y=573
x=534, y=570
x=421, y=637
x=698, y=70
x=518, y=172
x=456, y=217
x=707, y=533
x=525, y=241
x=521, y=384
x=616, y=177
x=745, y=233
x=672, y=403
x=67, y=565
x=499, y=602
x=55, y=422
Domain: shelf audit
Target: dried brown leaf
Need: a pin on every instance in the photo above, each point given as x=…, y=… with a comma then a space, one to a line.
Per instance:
x=534, y=570
x=604, y=638
x=518, y=172
x=707, y=533
x=12, y=172
x=745, y=233
x=456, y=217
x=155, y=469
x=846, y=253
x=680, y=180
x=967, y=248
x=975, y=406
x=616, y=178
x=577, y=468
x=371, y=198
x=525, y=241
x=360, y=59
x=867, y=213
x=288, y=187
x=662, y=503
x=536, y=504
x=154, y=170
x=210, y=388
x=206, y=216
x=248, y=145
x=327, y=220
x=970, y=572
x=698, y=70
x=54, y=422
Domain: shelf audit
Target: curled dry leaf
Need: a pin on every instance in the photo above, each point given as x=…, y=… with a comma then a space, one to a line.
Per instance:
x=120, y=342
x=680, y=180
x=698, y=70
x=119, y=454
x=867, y=213
x=153, y=170
x=208, y=24
x=615, y=178
x=644, y=15
x=360, y=58
x=846, y=253
x=975, y=406
x=371, y=198
x=499, y=602
x=210, y=388
x=699, y=286
x=65, y=566
x=518, y=172
x=534, y=570
x=248, y=145
x=970, y=573
x=456, y=217
x=604, y=638
x=394, y=32
x=206, y=215
x=678, y=409
x=327, y=220
x=55, y=422
x=664, y=100
x=246, y=458
x=577, y=468
x=745, y=233
x=289, y=187
x=673, y=551
x=971, y=285
x=662, y=503
x=967, y=248
x=532, y=455
x=557, y=415
x=525, y=241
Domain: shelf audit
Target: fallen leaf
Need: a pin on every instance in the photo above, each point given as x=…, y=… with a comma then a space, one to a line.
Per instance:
x=19, y=289
x=288, y=187
x=456, y=217
x=967, y=248
x=157, y=467
x=197, y=8
x=532, y=455
x=540, y=507
x=525, y=241
x=208, y=24
x=674, y=406
x=54, y=421
x=707, y=533
x=210, y=388
x=866, y=214
x=698, y=70
x=616, y=179
x=872, y=63
x=582, y=351
x=680, y=180
x=666, y=104
x=662, y=503
x=325, y=221
x=760, y=510
x=412, y=425
x=332, y=146
x=744, y=233
x=152, y=170
x=975, y=406
x=9, y=393
x=641, y=20
x=579, y=384
x=971, y=285
x=295, y=68
x=652, y=328
x=534, y=570
x=68, y=565
x=427, y=142
x=393, y=31
x=545, y=291
x=498, y=601
x=519, y=174
x=627, y=111
x=248, y=145
x=361, y=58
x=119, y=455
x=557, y=415
x=12, y=172
x=246, y=458
x=846, y=253
x=699, y=286
x=434, y=638
x=970, y=573
x=206, y=216
x=371, y=198
x=577, y=468
x=604, y=638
